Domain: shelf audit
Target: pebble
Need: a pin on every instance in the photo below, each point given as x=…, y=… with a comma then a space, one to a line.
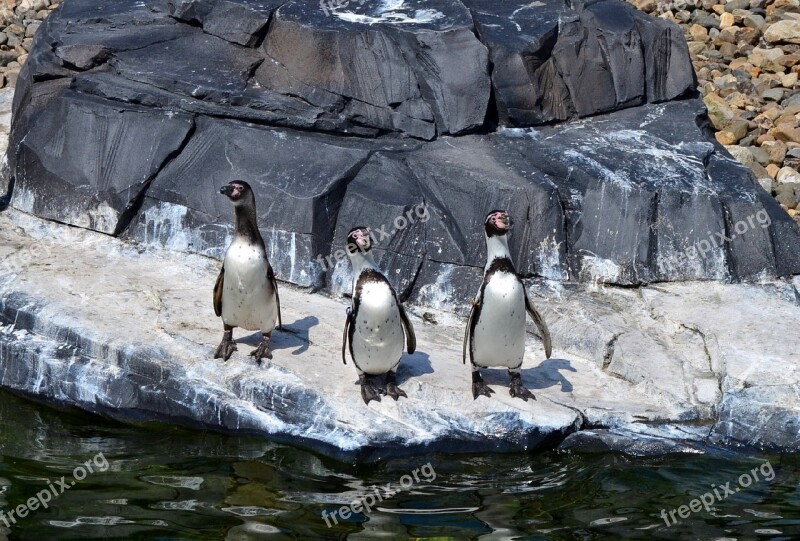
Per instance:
x=742, y=154
x=746, y=54
x=788, y=175
x=19, y=21
x=786, y=31
x=774, y=94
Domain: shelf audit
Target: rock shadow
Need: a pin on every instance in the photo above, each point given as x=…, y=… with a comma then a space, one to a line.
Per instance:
x=546, y=374
x=293, y=335
x=412, y=366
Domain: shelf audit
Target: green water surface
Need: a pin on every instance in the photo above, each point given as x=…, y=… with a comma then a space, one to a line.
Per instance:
x=170, y=484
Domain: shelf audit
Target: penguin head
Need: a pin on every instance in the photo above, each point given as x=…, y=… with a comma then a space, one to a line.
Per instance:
x=497, y=223
x=238, y=191
x=359, y=240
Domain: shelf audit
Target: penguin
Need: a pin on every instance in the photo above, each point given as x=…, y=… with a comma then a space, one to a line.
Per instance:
x=495, y=333
x=246, y=291
x=376, y=322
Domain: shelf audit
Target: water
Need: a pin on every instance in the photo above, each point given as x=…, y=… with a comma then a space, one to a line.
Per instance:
x=172, y=484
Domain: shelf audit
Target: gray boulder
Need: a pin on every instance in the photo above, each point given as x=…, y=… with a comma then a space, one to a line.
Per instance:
x=578, y=119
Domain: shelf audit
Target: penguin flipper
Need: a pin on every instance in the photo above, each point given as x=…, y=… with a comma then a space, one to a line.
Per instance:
x=468, y=330
x=346, y=334
x=218, y=287
x=537, y=318
x=411, y=338
x=274, y=282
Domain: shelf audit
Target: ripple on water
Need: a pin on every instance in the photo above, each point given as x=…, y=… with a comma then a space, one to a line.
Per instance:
x=192, y=483
x=187, y=505
x=762, y=514
x=608, y=520
x=250, y=511
x=93, y=521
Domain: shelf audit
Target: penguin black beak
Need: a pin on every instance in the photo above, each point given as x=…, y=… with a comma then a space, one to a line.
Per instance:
x=225, y=190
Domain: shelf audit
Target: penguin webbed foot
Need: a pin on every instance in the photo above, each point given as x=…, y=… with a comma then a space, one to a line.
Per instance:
x=518, y=390
x=262, y=351
x=226, y=347
x=368, y=391
x=391, y=387
x=394, y=391
x=479, y=387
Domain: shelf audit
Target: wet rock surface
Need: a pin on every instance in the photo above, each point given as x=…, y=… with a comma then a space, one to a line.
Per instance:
x=359, y=113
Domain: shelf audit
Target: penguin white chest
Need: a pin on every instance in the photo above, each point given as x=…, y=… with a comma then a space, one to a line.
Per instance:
x=499, y=335
x=248, y=298
x=378, y=336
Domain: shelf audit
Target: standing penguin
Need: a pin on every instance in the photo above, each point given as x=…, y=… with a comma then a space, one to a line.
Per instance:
x=495, y=333
x=375, y=321
x=246, y=292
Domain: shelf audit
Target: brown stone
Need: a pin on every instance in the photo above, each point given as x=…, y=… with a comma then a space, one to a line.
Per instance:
x=764, y=138
x=785, y=31
x=786, y=132
x=728, y=50
x=726, y=138
x=775, y=149
x=740, y=64
x=772, y=170
x=695, y=48
x=726, y=20
x=698, y=33
x=719, y=113
x=648, y=6
x=728, y=35
x=737, y=100
x=748, y=35
x=788, y=60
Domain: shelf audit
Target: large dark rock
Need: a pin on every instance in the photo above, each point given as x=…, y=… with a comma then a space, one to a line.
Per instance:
x=553, y=62
x=87, y=163
x=239, y=21
x=420, y=79
x=300, y=181
x=414, y=118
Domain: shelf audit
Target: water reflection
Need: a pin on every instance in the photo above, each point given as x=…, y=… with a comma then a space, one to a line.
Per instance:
x=172, y=484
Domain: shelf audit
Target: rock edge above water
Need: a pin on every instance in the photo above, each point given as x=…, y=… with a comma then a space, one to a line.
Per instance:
x=129, y=334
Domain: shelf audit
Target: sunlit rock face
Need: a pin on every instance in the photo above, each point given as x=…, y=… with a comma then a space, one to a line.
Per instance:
x=413, y=118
